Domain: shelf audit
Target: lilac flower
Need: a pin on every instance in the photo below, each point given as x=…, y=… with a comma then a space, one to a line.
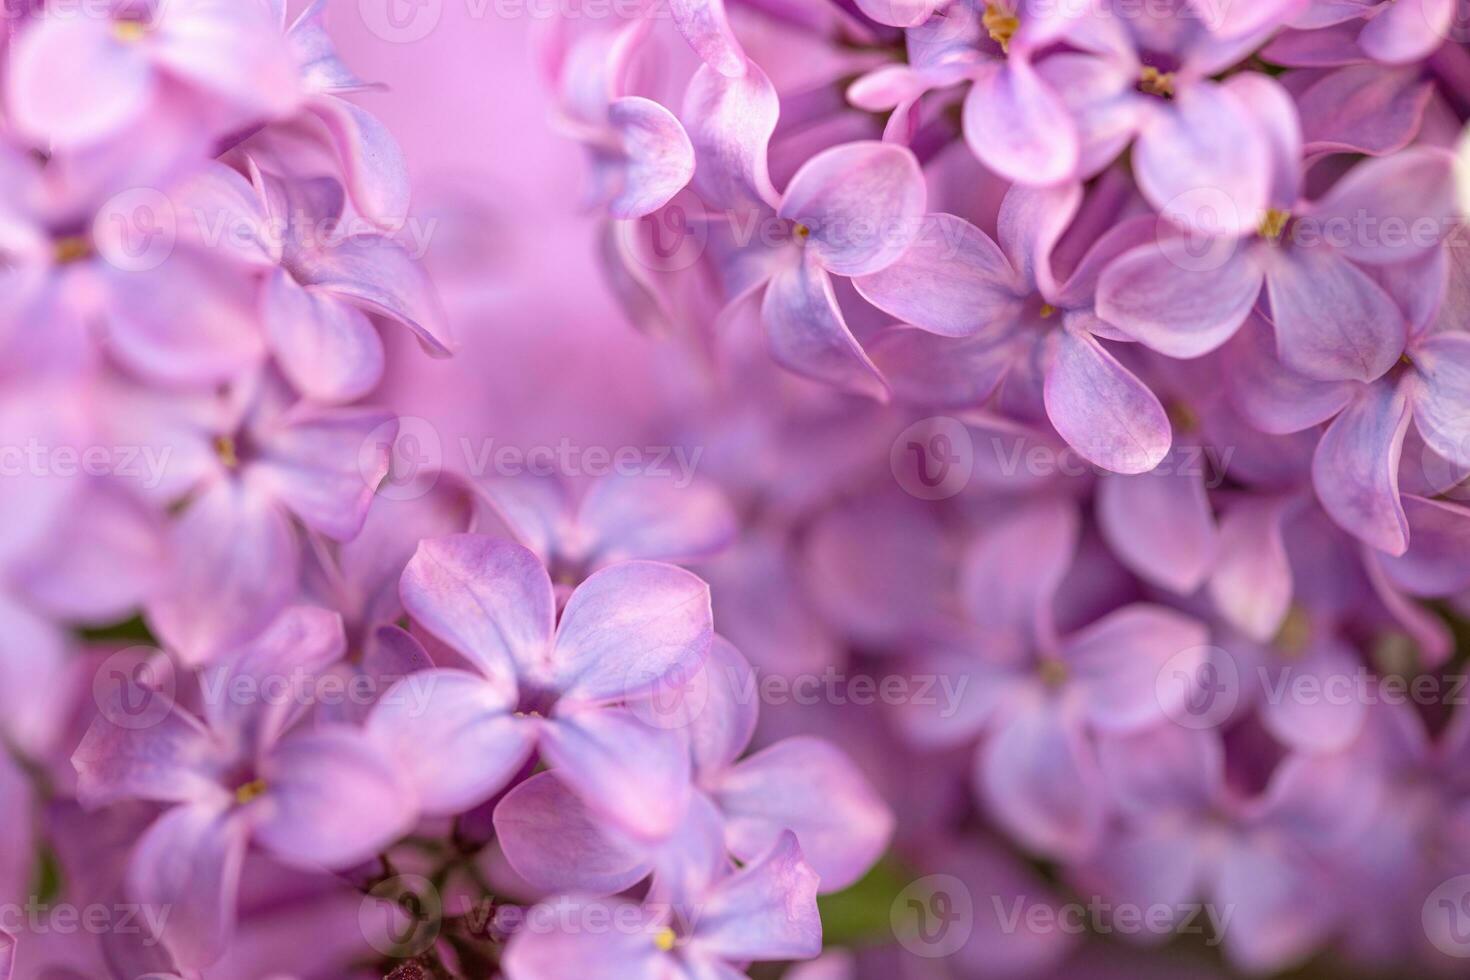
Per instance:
x=376, y=174
x=1333, y=319
x=613, y=519
x=1147, y=75
x=991, y=46
x=1188, y=836
x=1008, y=305
x=1040, y=696
x=323, y=287
x=545, y=681
x=803, y=785
x=312, y=797
x=226, y=50
x=1356, y=468
x=249, y=465
x=640, y=155
x=851, y=211
x=765, y=911
x=1334, y=32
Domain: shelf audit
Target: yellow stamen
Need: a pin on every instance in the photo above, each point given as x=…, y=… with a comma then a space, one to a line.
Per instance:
x=1047, y=310
x=1274, y=223
x=250, y=791
x=224, y=448
x=1295, y=632
x=1053, y=672
x=72, y=248
x=664, y=939
x=1002, y=23
x=1182, y=417
x=1151, y=81
x=802, y=232
x=129, y=31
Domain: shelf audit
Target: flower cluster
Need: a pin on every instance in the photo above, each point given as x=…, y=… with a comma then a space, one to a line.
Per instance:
x=1029, y=525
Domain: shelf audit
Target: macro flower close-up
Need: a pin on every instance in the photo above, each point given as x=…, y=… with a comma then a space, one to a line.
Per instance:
x=703, y=489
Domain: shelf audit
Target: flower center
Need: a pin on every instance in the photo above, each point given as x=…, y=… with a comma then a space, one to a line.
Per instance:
x=801, y=232
x=1295, y=632
x=1183, y=417
x=1002, y=23
x=225, y=449
x=1047, y=311
x=1273, y=224
x=664, y=939
x=1053, y=672
x=1151, y=81
x=71, y=248
x=129, y=31
x=246, y=792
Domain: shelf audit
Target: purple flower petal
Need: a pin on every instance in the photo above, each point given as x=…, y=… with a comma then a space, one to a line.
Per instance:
x=1407, y=30
x=1039, y=143
x=705, y=27
x=488, y=598
x=1160, y=524
x=1392, y=210
x=1271, y=396
x=807, y=333
x=1364, y=109
x=631, y=773
x=332, y=799
x=626, y=629
x=1355, y=468
x=952, y=281
x=1442, y=397
x=1179, y=310
x=1251, y=583
x=189, y=862
x=659, y=156
x=576, y=941
x=1330, y=714
x=655, y=518
x=372, y=162
x=1101, y=409
x=808, y=786
x=1115, y=662
x=329, y=350
x=453, y=736
x=765, y=911
x=1435, y=563
x=1333, y=322
x=730, y=122
x=1012, y=572
x=51, y=103
x=861, y=203
x=554, y=842
x=172, y=761
x=380, y=277
x=1207, y=141
x=1040, y=779
x=929, y=369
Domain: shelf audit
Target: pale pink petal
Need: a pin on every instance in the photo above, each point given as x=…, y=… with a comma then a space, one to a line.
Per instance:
x=51, y=102
x=372, y=162
x=488, y=598
x=328, y=349
x=765, y=911
x=861, y=203
x=807, y=333
x=1039, y=142
x=1177, y=308
x=1355, y=468
x=1117, y=660
x=554, y=842
x=730, y=122
x=705, y=27
x=659, y=157
x=1251, y=582
x=1442, y=398
x=1102, y=409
